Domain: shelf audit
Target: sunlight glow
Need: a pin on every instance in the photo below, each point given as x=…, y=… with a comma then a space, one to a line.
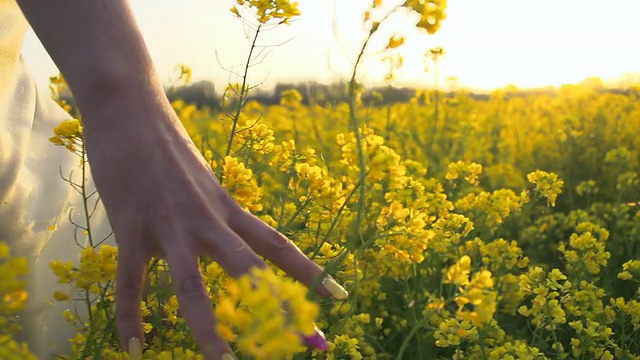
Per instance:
x=487, y=44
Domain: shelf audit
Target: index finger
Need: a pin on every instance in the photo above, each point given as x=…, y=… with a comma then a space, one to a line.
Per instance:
x=273, y=245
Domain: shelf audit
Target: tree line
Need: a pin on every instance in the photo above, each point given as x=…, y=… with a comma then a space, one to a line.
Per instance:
x=204, y=94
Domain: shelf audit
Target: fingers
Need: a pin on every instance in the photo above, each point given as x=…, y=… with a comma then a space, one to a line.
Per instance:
x=130, y=275
x=194, y=302
x=234, y=249
x=237, y=258
x=231, y=252
x=274, y=246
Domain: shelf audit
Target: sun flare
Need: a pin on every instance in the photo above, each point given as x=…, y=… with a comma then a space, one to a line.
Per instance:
x=487, y=44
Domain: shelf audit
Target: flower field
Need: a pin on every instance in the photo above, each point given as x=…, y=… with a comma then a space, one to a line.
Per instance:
x=506, y=227
x=463, y=228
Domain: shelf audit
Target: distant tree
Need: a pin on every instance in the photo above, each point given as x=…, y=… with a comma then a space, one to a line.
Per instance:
x=201, y=93
x=388, y=95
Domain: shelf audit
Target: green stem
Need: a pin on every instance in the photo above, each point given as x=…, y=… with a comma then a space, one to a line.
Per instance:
x=405, y=342
x=334, y=222
x=353, y=122
x=553, y=332
x=284, y=228
x=83, y=190
x=243, y=92
x=86, y=350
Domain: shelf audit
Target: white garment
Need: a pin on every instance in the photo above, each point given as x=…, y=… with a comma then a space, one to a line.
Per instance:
x=33, y=196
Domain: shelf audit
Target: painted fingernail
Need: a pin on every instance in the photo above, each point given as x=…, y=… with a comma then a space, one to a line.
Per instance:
x=135, y=349
x=334, y=288
x=317, y=340
x=227, y=356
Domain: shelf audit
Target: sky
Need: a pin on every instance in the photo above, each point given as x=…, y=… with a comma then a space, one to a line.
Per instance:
x=488, y=43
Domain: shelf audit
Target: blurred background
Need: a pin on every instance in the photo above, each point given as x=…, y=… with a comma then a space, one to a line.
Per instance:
x=488, y=44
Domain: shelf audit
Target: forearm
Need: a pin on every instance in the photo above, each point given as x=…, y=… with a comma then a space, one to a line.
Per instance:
x=98, y=47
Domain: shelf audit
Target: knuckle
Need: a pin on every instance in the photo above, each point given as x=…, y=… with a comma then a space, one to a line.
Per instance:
x=127, y=291
x=245, y=260
x=192, y=287
x=280, y=243
x=126, y=317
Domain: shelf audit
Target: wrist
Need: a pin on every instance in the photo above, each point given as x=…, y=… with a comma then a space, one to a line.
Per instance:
x=127, y=111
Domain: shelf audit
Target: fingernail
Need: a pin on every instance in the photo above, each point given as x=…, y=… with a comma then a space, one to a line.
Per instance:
x=135, y=349
x=227, y=356
x=209, y=352
x=317, y=340
x=334, y=288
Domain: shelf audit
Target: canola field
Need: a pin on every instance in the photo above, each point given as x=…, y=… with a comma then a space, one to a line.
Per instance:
x=463, y=228
x=500, y=228
x=505, y=228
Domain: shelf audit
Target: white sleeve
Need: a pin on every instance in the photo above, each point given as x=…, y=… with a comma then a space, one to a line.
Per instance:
x=33, y=198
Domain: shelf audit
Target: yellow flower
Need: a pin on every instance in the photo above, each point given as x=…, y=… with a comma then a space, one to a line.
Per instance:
x=147, y=327
x=470, y=171
x=281, y=11
x=184, y=73
x=250, y=312
x=431, y=13
x=459, y=273
x=69, y=316
x=547, y=184
x=239, y=181
x=68, y=133
x=290, y=98
x=13, y=299
x=395, y=41
x=60, y=296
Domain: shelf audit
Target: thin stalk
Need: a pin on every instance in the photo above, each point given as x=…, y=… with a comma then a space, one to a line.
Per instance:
x=405, y=342
x=556, y=341
x=293, y=217
x=243, y=91
x=334, y=222
x=83, y=190
x=353, y=122
x=87, y=301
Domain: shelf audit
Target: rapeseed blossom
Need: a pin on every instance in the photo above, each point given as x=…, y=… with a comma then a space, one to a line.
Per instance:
x=420, y=217
x=239, y=181
x=469, y=171
x=431, y=13
x=13, y=298
x=475, y=291
x=68, y=134
x=453, y=256
x=282, y=11
x=546, y=184
x=257, y=136
x=265, y=314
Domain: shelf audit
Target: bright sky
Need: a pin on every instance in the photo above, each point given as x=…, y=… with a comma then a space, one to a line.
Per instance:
x=488, y=43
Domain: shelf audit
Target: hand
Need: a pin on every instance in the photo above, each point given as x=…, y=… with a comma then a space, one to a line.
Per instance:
x=163, y=200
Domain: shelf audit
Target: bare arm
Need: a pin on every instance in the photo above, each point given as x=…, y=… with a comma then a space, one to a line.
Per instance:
x=97, y=46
